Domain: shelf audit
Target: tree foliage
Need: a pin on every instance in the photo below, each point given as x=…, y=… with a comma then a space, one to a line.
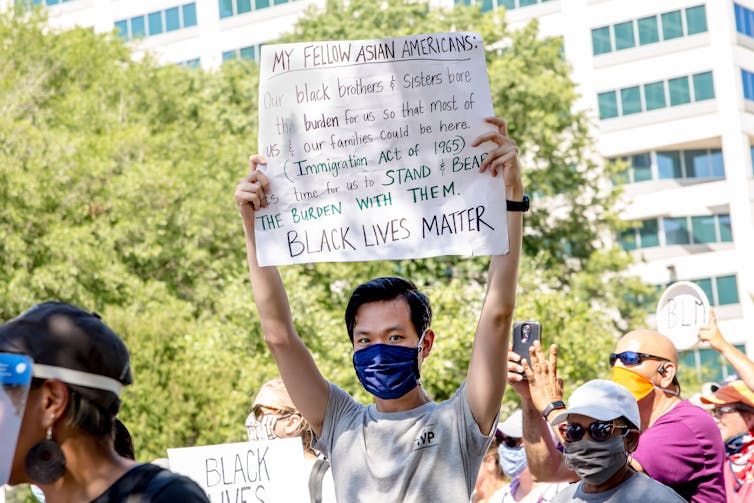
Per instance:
x=116, y=179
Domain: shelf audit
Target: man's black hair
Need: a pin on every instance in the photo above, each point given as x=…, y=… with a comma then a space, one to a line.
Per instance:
x=385, y=289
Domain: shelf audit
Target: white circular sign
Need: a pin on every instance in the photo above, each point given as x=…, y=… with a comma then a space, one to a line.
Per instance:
x=682, y=309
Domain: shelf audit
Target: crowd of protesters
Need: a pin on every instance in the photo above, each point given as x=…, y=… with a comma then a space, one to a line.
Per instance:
x=631, y=438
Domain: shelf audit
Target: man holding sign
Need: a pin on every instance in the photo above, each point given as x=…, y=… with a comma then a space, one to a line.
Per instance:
x=404, y=447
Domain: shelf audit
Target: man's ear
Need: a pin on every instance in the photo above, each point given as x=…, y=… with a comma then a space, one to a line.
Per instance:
x=631, y=440
x=667, y=372
x=428, y=342
x=292, y=424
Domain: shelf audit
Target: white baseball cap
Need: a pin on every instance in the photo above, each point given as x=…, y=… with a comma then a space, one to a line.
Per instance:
x=513, y=425
x=603, y=400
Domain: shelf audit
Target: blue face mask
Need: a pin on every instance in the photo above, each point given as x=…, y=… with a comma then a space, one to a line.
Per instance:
x=512, y=460
x=388, y=371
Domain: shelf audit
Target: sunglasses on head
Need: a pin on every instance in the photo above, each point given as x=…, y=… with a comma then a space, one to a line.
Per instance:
x=598, y=430
x=633, y=358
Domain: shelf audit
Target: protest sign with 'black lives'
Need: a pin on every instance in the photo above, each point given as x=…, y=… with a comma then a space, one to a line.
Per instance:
x=368, y=148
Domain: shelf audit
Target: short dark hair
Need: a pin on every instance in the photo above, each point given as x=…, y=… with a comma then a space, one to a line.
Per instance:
x=390, y=288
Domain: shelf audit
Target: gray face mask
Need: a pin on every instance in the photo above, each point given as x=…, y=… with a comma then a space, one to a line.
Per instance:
x=595, y=462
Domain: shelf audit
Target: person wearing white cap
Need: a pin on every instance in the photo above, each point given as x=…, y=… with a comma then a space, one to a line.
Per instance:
x=599, y=428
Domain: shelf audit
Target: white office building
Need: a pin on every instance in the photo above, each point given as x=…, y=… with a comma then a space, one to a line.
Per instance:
x=670, y=85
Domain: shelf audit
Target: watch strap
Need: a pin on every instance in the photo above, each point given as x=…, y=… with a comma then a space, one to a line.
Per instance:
x=558, y=404
x=522, y=206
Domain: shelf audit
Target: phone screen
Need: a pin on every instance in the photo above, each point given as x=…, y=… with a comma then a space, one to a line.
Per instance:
x=524, y=335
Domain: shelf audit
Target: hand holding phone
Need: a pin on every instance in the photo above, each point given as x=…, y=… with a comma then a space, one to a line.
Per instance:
x=524, y=335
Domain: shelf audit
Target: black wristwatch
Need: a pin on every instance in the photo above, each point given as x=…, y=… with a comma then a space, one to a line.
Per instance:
x=522, y=206
x=559, y=404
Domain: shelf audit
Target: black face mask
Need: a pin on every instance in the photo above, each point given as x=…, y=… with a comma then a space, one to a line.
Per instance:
x=595, y=462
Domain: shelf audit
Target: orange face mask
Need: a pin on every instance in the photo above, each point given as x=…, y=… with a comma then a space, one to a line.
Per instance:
x=637, y=384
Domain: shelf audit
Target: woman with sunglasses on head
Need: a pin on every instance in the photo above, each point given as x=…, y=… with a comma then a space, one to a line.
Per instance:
x=598, y=431
x=273, y=415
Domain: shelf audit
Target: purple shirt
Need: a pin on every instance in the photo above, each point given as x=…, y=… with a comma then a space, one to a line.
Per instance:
x=684, y=450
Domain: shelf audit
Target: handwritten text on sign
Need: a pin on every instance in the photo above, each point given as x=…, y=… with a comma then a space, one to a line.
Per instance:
x=369, y=151
x=246, y=471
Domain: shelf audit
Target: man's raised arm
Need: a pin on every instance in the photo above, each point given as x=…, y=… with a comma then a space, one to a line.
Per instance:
x=308, y=389
x=487, y=368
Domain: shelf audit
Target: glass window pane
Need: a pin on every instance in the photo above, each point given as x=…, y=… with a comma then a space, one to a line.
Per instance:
x=263, y=4
x=508, y=4
x=624, y=35
x=524, y=3
x=138, y=29
x=716, y=160
x=679, y=91
x=676, y=231
x=267, y=2
x=672, y=25
x=628, y=239
x=706, y=285
x=648, y=30
x=608, y=103
x=703, y=229
x=487, y=5
x=122, y=28
x=172, y=19
x=727, y=290
x=649, y=234
x=696, y=20
x=243, y=6
x=226, y=8
x=248, y=53
x=52, y=2
x=642, y=167
x=726, y=232
x=601, y=40
x=748, y=84
x=703, y=87
x=630, y=99
x=228, y=55
x=697, y=163
x=669, y=164
x=155, y=23
x=739, y=13
x=189, y=15
x=654, y=95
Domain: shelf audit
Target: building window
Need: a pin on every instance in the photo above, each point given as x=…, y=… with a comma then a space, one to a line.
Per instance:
x=601, y=43
x=691, y=230
x=157, y=22
x=696, y=20
x=671, y=24
x=191, y=63
x=624, y=35
x=708, y=364
x=248, y=53
x=748, y=82
x=676, y=91
x=230, y=8
x=648, y=33
x=630, y=99
x=674, y=164
x=744, y=20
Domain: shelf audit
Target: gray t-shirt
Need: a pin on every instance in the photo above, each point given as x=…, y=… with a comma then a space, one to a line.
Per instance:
x=430, y=453
x=638, y=488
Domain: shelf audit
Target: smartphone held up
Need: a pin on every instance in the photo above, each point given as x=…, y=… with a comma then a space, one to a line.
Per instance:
x=524, y=335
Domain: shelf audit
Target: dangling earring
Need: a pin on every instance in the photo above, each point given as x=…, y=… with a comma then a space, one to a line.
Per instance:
x=45, y=461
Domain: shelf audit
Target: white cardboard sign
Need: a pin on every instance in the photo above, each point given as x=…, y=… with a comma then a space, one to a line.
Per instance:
x=681, y=311
x=259, y=472
x=368, y=144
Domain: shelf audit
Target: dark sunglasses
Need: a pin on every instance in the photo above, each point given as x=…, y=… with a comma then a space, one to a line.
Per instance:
x=598, y=430
x=511, y=442
x=719, y=412
x=633, y=358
